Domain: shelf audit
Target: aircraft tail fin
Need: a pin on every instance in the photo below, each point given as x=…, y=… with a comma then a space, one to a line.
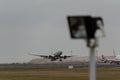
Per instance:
x=104, y=59
x=114, y=52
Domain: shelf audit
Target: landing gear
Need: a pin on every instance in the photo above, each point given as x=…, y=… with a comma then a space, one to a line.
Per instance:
x=60, y=59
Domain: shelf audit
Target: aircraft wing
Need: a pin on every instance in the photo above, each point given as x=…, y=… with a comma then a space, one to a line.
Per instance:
x=65, y=57
x=44, y=56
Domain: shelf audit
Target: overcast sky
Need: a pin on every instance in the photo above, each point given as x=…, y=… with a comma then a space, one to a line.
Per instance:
x=40, y=27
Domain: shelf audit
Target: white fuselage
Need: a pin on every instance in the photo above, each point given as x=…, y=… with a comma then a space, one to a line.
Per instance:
x=117, y=58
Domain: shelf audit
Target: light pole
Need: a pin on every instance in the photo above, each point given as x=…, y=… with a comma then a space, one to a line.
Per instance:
x=85, y=27
x=92, y=66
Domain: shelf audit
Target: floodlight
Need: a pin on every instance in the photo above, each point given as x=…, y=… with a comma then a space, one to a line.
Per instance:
x=84, y=27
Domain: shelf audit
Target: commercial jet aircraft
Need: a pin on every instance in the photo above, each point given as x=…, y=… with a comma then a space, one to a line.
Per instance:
x=57, y=55
x=115, y=60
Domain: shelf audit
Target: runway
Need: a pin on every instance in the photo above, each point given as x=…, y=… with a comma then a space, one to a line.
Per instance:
x=75, y=64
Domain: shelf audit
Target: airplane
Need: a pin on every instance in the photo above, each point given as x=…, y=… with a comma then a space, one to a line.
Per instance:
x=57, y=55
x=113, y=60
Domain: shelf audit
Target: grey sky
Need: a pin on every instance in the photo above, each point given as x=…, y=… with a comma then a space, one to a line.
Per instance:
x=40, y=27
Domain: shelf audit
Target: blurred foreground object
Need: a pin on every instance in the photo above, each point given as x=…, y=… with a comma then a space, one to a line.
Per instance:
x=86, y=27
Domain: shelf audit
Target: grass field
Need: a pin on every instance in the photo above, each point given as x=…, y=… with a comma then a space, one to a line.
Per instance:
x=57, y=73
